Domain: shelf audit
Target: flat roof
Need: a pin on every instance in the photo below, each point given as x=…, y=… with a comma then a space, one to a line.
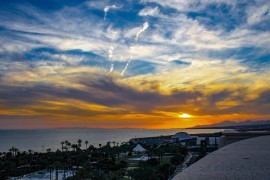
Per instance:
x=246, y=159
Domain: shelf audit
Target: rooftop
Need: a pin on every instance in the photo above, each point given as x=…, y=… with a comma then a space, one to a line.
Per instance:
x=247, y=159
x=181, y=135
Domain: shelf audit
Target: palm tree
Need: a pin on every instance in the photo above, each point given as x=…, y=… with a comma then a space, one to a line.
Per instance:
x=64, y=167
x=160, y=152
x=15, y=150
x=62, y=145
x=30, y=151
x=11, y=150
x=68, y=144
x=65, y=148
x=79, y=143
x=86, y=142
x=74, y=146
x=57, y=165
x=50, y=169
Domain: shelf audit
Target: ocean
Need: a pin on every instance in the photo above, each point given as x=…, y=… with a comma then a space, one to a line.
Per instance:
x=40, y=140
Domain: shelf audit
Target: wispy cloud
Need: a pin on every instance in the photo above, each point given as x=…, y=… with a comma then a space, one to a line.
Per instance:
x=107, y=9
x=148, y=11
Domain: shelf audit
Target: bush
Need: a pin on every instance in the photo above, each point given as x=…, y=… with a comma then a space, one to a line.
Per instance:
x=146, y=173
x=177, y=159
x=153, y=162
x=122, y=164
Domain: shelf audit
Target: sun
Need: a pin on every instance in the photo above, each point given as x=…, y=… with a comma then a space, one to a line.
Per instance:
x=184, y=115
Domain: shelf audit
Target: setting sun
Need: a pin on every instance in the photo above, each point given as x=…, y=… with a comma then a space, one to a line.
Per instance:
x=184, y=115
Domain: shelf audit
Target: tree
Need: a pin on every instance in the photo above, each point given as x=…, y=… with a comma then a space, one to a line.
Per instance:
x=49, y=150
x=143, y=173
x=177, y=159
x=79, y=143
x=13, y=151
x=57, y=165
x=166, y=170
x=86, y=142
x=68, y=144
x=62, y=145
x=74, y=147
x=91, y=148
x=30, y=151
x=108, y=144
x=122, y=164
x=153, y=162
x=160, y=152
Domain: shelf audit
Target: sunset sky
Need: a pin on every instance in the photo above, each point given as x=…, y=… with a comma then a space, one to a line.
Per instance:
x=133, y=63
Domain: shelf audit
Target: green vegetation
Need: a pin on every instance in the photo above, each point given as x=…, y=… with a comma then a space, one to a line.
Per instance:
x=89, y=162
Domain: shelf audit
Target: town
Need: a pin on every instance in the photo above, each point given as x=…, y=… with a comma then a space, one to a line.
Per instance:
x=160, y=157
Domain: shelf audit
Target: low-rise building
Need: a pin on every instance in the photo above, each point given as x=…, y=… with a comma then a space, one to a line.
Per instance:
x=139, y=149
x=157, y=140
x=184, y=139
x=231, y=136
x=181, y=137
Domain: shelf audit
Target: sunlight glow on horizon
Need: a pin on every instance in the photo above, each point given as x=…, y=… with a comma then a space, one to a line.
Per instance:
x=184, y=115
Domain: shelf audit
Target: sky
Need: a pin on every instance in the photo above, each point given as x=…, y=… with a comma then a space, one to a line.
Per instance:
x=133, y=63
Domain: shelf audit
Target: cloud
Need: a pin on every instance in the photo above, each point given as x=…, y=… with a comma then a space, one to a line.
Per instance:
x=102, y=96
x=148, y=11
x=258, y=14
x=189, y=6
x=124, y=70
x=111, y=69
x=177, y=35
x=179, y=62
x=145, y=26
x=205, y=58
x=107, y=9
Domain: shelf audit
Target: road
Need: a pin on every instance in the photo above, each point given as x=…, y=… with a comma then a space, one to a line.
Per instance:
x=182, y=166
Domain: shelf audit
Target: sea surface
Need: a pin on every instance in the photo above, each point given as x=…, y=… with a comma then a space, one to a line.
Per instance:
x=40, y=140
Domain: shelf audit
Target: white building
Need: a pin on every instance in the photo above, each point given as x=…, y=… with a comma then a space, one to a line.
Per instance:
x=139, y=149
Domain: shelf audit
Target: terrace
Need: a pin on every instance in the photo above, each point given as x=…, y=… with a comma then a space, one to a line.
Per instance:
x=247, y=159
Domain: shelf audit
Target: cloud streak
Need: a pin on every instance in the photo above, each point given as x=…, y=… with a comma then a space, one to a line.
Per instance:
x=107, y=9
x=148, y=11
x=144, y=28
